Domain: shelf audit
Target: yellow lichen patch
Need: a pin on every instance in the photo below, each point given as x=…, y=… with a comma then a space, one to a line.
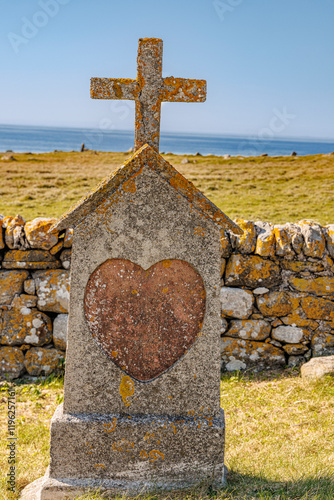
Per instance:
x=143, y=455
x=126, y=389
x=298, y=318
x=114, y=354
x=165, y=290
x=318, y=308
x=322, y=285
x=110, y=427
x=11, y=362
x=156, y=455
x=200, y=231
x=38, y=235
x=265, y=244
x=246, y=242
x=277, y=304
x=134, y=292
x=166, y=263
x=129, y=186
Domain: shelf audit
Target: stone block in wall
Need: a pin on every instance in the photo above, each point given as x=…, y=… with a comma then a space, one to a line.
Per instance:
x=37, y=233
x=295, y=349
x=298, y=266
x=60, y=331
x=322, y=285
x=276, y=304
x=240, y=354
x=65, y=258
x=265, y=243
x=57, y=247
x=225, y=244
x=11, y=362
x=244, y=243
x=2, y=242
x=68, y=238
x=249, y=329
x=11, y=283
x=14, y=235
x=23, y=302
x=318, y=308
x=290, y=334
x=251, y=271
x=41, y=361
x=329, y=236
x=236, y=303
x=29, y=286
x=283, y=241
x=314, y=240
x=30, y=259
x=25, y=326
x=53, y=290
x=298, y=318
x=322, y=344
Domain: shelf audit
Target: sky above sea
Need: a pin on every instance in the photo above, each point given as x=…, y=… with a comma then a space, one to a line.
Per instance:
x=269, y=65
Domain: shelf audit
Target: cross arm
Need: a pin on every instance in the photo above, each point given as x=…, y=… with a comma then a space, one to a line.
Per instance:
x=113, y=88
x=183, y=90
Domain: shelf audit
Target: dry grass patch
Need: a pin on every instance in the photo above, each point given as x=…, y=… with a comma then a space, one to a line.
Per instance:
x=272, y=189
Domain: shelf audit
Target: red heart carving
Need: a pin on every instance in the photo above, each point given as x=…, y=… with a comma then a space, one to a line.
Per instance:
x=145, y=320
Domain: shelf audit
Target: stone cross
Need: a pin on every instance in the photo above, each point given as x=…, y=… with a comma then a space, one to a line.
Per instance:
x=149, y=90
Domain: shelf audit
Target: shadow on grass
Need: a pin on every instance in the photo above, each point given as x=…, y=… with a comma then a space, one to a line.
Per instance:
x=248, y=486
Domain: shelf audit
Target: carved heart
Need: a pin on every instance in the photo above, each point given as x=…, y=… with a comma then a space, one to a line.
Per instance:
x=145, y=320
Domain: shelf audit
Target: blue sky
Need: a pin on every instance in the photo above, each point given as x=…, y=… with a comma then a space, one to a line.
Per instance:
x=269, y=64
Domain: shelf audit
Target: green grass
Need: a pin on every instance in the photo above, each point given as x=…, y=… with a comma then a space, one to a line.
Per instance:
x=279, y=437
x=278, y=190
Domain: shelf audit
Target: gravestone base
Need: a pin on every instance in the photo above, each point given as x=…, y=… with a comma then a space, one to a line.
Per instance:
x=130, y=454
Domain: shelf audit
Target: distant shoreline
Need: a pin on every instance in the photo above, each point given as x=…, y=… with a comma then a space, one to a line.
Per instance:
x=47, y=139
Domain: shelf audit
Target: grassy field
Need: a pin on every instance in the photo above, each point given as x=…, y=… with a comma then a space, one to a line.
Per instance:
x=282, y=189
x=279, y=437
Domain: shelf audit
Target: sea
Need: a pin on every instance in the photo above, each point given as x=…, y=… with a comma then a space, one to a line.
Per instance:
x=35, y=139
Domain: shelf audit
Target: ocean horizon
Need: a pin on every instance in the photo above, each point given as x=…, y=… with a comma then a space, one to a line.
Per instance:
x=42, y=139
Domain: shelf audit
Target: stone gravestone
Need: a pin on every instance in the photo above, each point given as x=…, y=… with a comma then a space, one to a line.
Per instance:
x=142, y=386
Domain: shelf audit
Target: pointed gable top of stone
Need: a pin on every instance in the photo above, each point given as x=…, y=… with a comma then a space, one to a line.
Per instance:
x=124, y=177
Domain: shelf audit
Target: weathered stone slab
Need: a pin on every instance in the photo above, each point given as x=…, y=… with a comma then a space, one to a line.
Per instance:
x=322, y=344
x=40, y=361
x=11, y=283
x=249, y=329
x=329, y=235
x=29, y=286
x=150, y=449
x=251, y=271
x=276, y=304
x=283, y=240
x=318, y=367
x=68, y=238
x=60, y=331
x=298, y=318
x=236, y=303
x=245, y=243
x=295, y=349
x=25, y=326
x=298, y=266
x=318, y=308
x=265, y=243
x=290, y=334
x=53, y=290
x=38, y=235
x=239, y=355
x=315, y=244
x=323, y=285
x=14, y=235
x=11, y=362
x=30, y=259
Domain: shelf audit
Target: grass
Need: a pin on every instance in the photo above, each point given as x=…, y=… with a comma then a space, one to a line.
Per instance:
x=279, y=437
x=278, y=190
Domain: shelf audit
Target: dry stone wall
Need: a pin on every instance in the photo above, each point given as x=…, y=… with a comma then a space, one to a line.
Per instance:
x=277, y=296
